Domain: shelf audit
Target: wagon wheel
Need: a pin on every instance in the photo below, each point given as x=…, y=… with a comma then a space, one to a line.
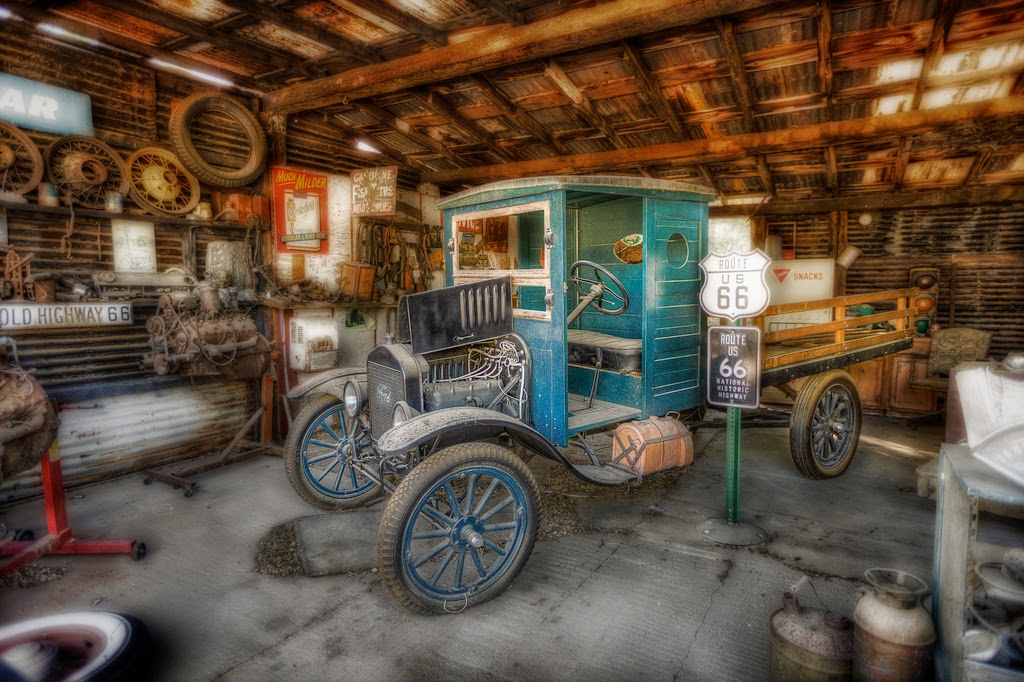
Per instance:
x=21, y=164
x=825, y=425
x=86, y=169
x=458, y=529
x=318, y=455
x=160, y=183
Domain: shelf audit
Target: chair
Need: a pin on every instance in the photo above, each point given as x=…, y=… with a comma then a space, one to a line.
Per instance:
x=949, y=348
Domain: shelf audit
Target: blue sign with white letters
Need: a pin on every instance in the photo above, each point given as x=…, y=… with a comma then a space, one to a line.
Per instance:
x=28, y=104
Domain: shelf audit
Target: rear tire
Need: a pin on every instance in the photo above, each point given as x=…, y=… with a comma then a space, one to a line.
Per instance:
x=317, y=456
x=458, y=529
x=825, y=425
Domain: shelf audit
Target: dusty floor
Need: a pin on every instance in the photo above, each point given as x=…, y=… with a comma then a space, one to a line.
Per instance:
x=622, y=585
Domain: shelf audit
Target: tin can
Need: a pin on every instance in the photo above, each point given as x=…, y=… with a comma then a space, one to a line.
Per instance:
x=809, y=644
x=113, y=201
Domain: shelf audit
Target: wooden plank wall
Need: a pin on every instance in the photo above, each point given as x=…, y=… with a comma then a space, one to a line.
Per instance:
x=979, y=252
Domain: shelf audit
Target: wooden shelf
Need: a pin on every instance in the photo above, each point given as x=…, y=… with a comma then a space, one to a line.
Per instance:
x=286, y=304
x=63, y=211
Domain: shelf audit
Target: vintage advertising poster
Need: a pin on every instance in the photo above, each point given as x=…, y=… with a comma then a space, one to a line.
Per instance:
x=300, y=211
x=375, y=191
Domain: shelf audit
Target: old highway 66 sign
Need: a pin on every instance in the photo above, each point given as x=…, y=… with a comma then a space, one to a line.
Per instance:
x=734, y=284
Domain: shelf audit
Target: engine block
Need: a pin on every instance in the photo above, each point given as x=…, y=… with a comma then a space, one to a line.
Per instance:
x=199, y=335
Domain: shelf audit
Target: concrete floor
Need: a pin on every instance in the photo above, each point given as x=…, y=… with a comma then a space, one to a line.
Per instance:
x=639, y=594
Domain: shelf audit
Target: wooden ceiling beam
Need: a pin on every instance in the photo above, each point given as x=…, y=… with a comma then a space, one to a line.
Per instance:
x=308, y=29
x=831, y=170
x=826, y=85
x=206, y=34
x=389, y=154
x=977, y=166
x=981, y=196
x=573, y=30
x=125, y=44
x=503, y=11
x=741, y=146
x=560, y=79
x=744, y=93
x=436, y=103
x=374, y=10
x=517, y=115
x=403, y=127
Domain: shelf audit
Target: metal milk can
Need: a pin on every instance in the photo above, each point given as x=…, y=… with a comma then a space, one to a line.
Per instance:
x=809, y=644
x=893, y=634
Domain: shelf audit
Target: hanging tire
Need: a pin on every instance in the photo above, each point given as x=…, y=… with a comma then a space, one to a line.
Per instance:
x=318, y=456
x=825, y=425
x=458, y=529
x=87, y=645
x=186, y=113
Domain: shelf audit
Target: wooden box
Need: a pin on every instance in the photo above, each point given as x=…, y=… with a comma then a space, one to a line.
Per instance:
x=356, y=281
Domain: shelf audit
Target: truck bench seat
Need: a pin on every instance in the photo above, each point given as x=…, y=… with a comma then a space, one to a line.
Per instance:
x=618, y=354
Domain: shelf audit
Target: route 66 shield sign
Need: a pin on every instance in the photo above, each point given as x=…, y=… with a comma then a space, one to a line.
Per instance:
x=734, y=284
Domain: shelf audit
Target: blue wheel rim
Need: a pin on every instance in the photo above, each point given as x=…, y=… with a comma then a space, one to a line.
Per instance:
x=478, y=503
x=327, y=450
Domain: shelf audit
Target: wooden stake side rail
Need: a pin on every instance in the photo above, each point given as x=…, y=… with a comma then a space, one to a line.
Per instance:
x=830, y=338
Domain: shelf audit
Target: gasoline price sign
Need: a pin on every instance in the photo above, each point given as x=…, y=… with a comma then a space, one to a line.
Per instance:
x=734, y=284
x=734, y=366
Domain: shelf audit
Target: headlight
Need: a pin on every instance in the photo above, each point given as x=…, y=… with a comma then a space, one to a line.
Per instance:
x=402, y=413
x=354, y=399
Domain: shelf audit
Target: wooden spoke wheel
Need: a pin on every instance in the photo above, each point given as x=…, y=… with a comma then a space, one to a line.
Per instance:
x=85, y=169
x=160, y=184
x=21, y=164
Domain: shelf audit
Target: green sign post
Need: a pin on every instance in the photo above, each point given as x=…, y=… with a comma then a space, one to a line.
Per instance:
x=734, y=288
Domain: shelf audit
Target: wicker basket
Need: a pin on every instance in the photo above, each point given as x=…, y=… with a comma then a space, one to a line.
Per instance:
x=630, y=249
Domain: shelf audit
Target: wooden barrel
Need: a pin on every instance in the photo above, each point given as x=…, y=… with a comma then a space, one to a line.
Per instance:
x=651, y=445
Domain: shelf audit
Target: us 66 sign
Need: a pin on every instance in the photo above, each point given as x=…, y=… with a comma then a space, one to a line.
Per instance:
x=734, y=284
x=734, y=366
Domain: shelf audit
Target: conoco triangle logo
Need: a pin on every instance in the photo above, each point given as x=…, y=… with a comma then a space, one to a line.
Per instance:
x=781, y=275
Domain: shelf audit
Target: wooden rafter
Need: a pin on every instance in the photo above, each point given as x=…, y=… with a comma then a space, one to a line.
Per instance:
x=825, y=82
x=124, y=44
x=517, y=115
x=977, y=166
x=979, y=196
x=388, y=155
x=744, y=93
x=403, y=127
x=304, y=27
x=436, y=103
x=581, y=103
x=590, y=26
x=503, y=11
x=739, y=146
x=374, y=10
x=207, y=34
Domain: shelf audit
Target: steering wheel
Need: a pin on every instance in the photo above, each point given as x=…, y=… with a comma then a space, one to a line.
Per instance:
x=598, y=287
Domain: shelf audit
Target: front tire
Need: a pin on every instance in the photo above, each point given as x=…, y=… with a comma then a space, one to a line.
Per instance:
x=458, y=529
x=318, y=456
x=825, y=425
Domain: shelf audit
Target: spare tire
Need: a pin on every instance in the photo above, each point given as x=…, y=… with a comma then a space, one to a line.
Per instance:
x=182, y=118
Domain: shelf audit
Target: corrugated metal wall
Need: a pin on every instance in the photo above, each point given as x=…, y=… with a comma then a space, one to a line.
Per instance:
x=109, y=435
x=979, y=252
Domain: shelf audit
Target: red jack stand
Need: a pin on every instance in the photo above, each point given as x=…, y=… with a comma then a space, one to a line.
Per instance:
x=60, y=540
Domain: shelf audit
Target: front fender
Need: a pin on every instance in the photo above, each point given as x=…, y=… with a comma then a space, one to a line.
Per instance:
x=465, y=425
x=331, y=381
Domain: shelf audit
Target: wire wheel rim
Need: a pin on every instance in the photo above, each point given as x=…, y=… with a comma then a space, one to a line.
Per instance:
x=453, y=552
x=86, y=169
x=160, y=182
x=21, y=164
x=331, y=460
x=833, y=424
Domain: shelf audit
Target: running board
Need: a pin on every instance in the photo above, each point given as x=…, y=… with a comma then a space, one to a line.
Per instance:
x=605, y=476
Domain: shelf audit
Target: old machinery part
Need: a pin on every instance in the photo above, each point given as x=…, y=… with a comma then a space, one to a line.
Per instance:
x=323, y=453
x=84, y=169
x=17, y=271
x=142, y=284
x=458, y=529
x=194, y=335
x=21, y=164
x=28, y=421
x=600, y=283
x=201, y=116
x=160, y=184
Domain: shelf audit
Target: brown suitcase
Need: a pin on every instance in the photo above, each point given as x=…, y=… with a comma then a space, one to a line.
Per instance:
x=650, y=445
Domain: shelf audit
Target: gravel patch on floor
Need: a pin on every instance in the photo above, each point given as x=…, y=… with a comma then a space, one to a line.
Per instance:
x=277, y=552
x=32, y=575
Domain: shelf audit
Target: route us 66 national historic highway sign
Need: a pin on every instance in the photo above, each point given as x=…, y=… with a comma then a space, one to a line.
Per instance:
x=734, y=284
